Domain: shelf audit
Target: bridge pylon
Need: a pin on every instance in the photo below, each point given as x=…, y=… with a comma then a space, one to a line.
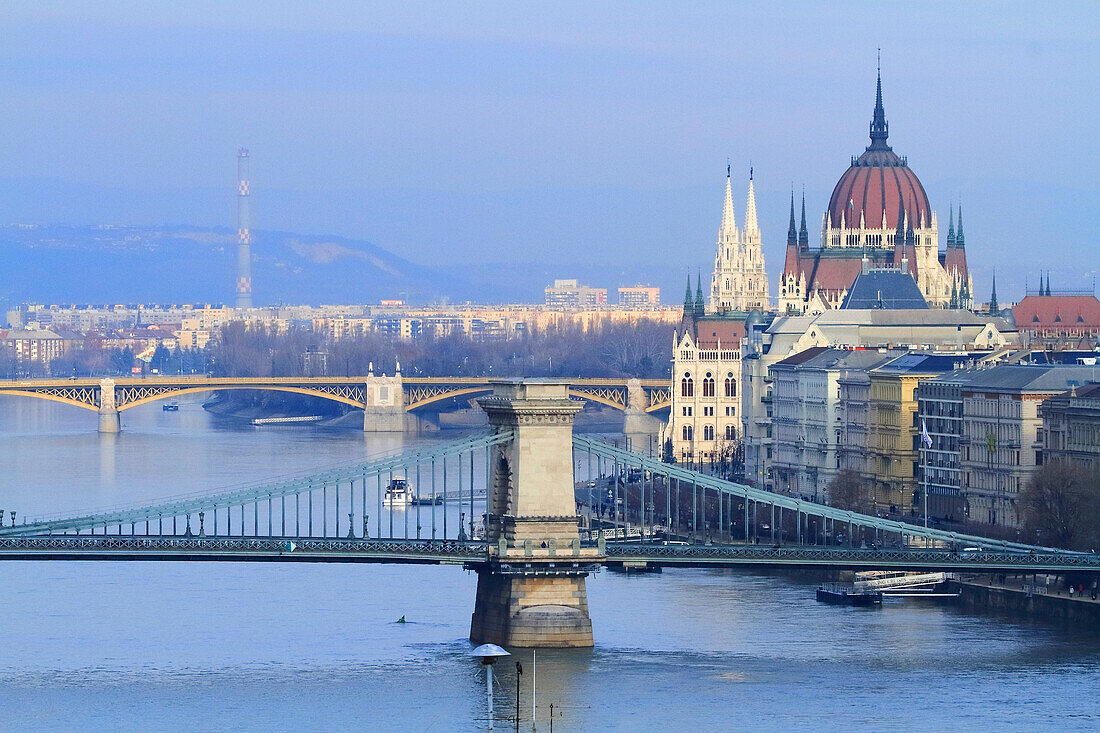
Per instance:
x=108, y=407
x=383, y=404
x=531, y=590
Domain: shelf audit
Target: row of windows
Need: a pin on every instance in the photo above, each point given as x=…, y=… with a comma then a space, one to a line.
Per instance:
x=687, y=385
x=708, y=432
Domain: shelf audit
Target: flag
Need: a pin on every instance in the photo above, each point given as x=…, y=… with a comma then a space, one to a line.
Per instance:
x=924, y=436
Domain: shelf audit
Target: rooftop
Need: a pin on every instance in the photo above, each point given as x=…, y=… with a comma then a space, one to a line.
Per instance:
x=884, y=288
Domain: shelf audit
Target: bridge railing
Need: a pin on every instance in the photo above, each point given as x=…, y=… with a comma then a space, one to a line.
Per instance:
x=713, y=505
x=310, y=504
x=718, y=554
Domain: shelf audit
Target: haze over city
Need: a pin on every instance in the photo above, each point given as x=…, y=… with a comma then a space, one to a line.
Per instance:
x=582, y=141
x=349, y=380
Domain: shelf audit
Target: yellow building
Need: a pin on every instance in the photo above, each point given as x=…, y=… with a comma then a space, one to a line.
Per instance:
x=893, y=452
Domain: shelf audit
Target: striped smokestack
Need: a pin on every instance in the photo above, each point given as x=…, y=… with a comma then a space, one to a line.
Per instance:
x=244, y=230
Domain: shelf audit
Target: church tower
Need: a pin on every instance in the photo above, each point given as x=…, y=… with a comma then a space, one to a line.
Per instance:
x=740, y=282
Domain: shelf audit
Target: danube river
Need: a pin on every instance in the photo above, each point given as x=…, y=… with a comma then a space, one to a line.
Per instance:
x=258, y=646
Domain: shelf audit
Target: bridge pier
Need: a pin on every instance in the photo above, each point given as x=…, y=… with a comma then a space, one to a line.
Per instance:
x=384, y=404
x=531, y=592
x=108, y=408
x=636, y=421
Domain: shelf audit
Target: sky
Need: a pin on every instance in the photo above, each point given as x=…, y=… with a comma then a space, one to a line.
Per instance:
x=587, y=139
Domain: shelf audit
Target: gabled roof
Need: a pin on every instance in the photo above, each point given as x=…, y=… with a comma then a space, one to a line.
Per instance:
x=884, y=289
x=802, y=356
x=1053, y=311
x=1032, y=377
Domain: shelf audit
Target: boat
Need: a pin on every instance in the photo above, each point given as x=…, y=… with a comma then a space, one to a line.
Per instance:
x=428, y=500
x=170, y=407
x=286, y=420
x=847, y=595
x=397, y=494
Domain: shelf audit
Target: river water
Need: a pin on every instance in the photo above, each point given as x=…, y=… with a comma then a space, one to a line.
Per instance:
x=269, y=646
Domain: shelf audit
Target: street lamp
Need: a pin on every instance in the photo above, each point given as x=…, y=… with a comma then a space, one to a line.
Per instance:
x=489, y=653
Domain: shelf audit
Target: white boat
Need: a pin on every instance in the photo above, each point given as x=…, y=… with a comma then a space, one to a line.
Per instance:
x=397, y=494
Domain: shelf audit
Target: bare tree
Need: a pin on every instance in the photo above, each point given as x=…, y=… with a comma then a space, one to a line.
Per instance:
x=849, y=490
x=1062, y=505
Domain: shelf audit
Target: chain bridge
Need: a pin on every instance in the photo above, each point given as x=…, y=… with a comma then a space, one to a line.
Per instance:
x=383, y=399
x=530, y=507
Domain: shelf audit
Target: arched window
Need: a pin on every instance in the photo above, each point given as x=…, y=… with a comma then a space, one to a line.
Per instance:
x=731, y=432
x=687, y=386
x=708, y=385
x=731, y=385
x=687, y=432
x=708, y=432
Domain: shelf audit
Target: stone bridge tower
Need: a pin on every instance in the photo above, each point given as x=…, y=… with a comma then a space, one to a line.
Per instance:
x=531, y=592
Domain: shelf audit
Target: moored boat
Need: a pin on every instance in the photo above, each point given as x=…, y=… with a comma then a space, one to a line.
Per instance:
x=846, y=595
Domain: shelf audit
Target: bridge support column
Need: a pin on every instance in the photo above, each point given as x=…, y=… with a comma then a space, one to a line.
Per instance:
x=637, y=422
x=384, y=404
x=108, y=409
x=531, y=592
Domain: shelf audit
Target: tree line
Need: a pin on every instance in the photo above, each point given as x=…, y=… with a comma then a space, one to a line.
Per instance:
x=255, y=350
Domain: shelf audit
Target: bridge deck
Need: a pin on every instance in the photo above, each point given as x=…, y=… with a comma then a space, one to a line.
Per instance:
x=459, y=552
x=263, y=549
x=849, y=558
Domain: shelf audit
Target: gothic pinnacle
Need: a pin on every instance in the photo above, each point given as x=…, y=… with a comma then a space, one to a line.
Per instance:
x=792, y=230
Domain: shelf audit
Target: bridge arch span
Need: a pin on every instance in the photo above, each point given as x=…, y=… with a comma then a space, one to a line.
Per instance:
x=175, y=392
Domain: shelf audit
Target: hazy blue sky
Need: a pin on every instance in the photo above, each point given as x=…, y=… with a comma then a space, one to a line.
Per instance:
x=590, y=134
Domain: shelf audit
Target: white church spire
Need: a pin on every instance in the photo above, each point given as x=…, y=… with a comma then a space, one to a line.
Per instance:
x=751, y=226
x=740, y=282
x=728, y=232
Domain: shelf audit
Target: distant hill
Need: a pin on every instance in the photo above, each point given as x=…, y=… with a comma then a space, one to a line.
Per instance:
x=183, y=264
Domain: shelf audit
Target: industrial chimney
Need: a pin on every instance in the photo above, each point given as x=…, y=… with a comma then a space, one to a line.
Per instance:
x=244, y=230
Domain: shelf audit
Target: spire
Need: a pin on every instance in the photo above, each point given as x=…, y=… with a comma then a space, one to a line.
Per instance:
x=993, y=308
x=792, y=230
x=954, y=295
x=1048, y=282
x=951, y=227
x=751, y=224
x=959, y=240
x=803, y=233
x=689, y=302
x=880, y=129
x=899, y=235
x=729, y=222
x=700, y=307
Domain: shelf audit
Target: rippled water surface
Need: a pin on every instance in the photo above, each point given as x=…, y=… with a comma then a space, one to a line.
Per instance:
x=259, y=646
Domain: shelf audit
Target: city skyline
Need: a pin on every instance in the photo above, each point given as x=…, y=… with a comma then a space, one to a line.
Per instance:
x=110, y=128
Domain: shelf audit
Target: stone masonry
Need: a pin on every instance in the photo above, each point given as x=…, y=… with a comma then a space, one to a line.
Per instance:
x=532, y=592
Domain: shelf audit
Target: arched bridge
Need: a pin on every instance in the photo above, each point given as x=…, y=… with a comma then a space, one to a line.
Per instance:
x=384, y=397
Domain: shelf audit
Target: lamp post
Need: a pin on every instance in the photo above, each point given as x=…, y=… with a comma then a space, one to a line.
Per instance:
x=489, y=653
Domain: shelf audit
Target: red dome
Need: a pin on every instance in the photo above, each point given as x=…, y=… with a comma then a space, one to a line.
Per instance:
x=877, y=182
